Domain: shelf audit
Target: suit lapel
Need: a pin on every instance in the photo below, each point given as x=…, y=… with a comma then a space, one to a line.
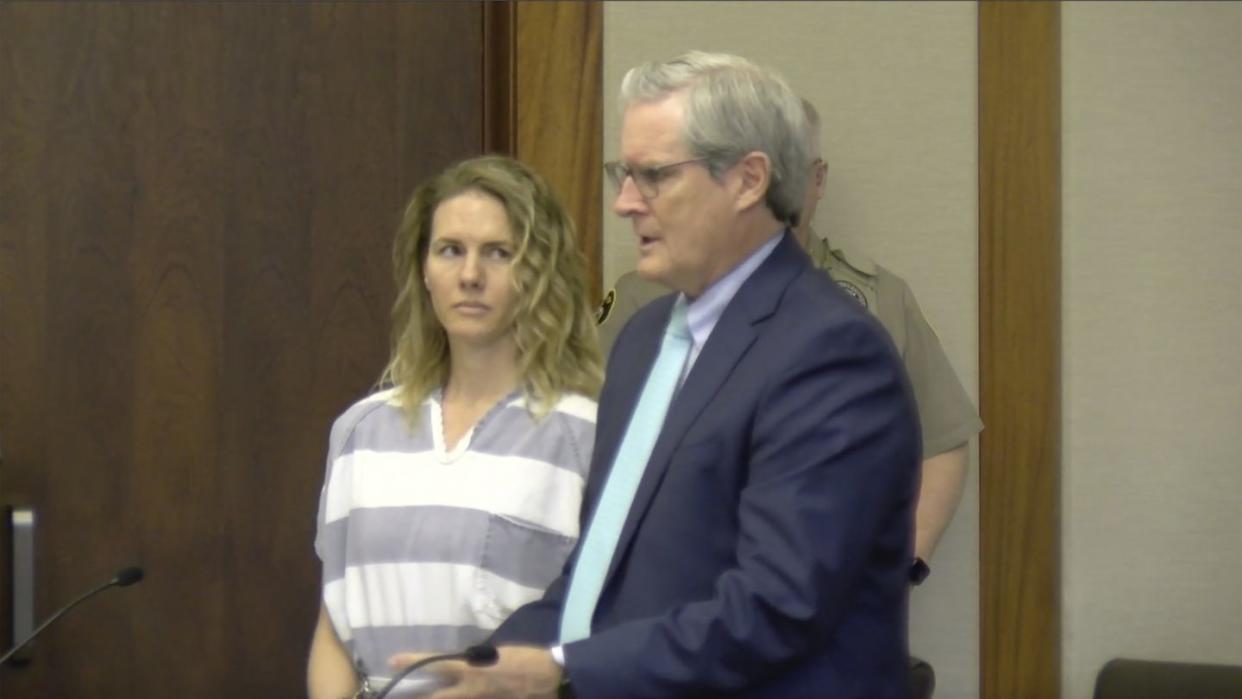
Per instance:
x=733, y=335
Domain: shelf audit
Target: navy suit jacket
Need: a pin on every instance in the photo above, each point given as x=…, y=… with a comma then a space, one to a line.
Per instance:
x=767, y=548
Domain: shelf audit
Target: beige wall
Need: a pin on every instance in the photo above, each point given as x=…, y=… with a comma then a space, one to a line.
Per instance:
x=1152, y=312
x=896, y=86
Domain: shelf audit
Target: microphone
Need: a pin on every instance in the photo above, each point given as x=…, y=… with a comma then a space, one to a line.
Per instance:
x=481, y=655
x=123, y=578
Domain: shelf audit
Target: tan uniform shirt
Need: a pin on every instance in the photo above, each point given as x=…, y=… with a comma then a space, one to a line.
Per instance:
x=947, y=415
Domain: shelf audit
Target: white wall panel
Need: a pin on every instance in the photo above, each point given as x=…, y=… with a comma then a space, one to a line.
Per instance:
x=1152, y=313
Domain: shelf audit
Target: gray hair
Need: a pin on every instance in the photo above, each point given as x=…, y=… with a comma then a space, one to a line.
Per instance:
x=812, y=128
x=733, y=107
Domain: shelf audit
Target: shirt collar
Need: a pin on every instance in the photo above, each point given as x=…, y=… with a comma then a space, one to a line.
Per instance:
x=703, y=312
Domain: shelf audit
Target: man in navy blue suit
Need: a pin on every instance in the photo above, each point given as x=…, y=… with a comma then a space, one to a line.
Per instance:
x=763, y=549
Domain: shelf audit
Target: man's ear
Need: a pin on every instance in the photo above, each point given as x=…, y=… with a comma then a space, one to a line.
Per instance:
x=819, y=176
x=754, y=176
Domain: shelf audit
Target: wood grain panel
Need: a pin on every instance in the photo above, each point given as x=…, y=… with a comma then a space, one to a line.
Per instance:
x=1020, y=320
x=499, y=82
x=559, y=127
x=198, y=203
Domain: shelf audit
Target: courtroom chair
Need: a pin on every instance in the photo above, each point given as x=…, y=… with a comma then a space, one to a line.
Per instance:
x=1123, y=678
x=922, y=679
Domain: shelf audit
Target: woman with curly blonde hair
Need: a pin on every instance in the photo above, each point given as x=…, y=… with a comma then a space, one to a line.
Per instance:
x=452, y=496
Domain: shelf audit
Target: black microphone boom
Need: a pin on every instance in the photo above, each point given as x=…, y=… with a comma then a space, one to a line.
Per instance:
x=128, y=576
x=481, y=655
x=123, y=578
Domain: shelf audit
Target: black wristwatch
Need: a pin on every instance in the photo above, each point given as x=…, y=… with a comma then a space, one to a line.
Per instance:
x=919, y=571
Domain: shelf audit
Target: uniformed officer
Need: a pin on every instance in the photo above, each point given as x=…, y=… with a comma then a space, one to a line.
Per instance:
x=948, y=417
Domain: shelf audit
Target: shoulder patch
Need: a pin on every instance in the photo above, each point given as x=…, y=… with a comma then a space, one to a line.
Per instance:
x=853, y=290
x=605, y=307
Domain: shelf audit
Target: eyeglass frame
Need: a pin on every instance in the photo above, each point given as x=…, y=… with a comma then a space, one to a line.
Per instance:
x=646, y=177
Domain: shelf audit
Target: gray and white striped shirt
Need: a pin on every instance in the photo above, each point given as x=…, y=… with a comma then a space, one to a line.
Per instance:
x=429, y=549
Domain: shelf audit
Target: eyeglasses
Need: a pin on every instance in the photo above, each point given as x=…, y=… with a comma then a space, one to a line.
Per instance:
x=646, y=179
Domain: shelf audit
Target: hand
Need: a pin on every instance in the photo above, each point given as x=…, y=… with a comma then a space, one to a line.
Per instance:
x=522, y=672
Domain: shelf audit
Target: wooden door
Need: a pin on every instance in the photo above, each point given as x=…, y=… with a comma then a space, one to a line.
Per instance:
x=196, y=209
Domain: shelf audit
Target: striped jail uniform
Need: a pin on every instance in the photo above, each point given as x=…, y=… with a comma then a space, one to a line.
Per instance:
x=426, y=548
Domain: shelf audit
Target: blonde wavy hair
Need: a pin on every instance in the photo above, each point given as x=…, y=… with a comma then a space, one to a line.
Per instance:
x=553, y=323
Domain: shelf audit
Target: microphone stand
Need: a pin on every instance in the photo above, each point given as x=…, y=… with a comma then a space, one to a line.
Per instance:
x=476, y=656
x=128, y=576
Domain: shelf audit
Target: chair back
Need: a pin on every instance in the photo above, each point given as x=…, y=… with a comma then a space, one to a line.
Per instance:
x=1123, y=678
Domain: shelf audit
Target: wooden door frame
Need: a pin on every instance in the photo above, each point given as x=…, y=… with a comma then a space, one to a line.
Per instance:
x=1020, y=349
x=543, y=104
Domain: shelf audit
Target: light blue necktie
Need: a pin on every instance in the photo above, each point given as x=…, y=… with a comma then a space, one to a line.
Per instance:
x=595, y=556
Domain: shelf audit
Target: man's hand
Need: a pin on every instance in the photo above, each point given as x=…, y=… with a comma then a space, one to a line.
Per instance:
x=522, y=672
